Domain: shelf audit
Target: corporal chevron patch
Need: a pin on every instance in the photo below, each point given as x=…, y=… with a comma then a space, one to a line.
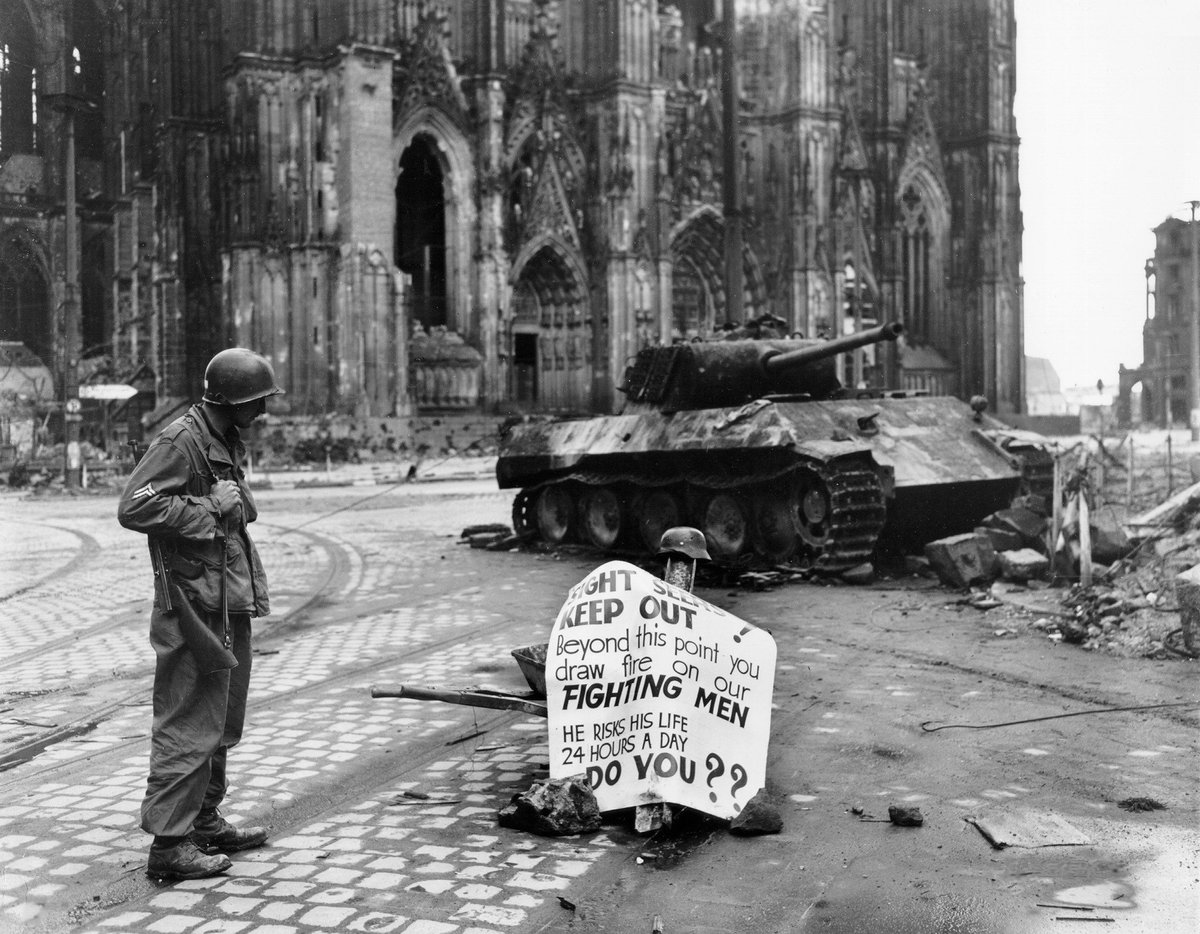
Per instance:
x=146, y=491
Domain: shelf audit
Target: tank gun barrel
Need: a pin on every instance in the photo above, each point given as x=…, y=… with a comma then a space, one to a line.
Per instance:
x=780, y=361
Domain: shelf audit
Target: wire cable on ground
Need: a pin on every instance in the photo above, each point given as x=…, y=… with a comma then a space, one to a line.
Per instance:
x=1058, y=716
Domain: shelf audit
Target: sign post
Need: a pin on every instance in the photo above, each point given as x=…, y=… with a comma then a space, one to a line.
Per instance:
x=657, y=695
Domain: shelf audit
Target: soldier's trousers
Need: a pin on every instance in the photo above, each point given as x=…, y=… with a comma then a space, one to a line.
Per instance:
x=197, y=717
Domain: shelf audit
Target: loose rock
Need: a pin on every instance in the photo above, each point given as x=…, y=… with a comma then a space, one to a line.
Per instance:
x=903, y=816
x=1023, y=565
x=553, y=808
x=758, y=817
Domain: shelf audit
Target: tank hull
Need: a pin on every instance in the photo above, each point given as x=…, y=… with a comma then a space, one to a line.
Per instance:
x=934, y=467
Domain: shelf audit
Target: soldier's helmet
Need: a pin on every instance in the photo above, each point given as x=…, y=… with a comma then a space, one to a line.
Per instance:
x=685, y=541
x=238, y=375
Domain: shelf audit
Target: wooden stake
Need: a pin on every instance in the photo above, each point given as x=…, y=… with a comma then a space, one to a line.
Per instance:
x=1057, y=513
x=1129, y=477
x=1170, y=469
x=1085, y=541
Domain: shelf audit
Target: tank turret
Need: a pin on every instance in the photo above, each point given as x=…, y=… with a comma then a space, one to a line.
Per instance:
x=713, y=374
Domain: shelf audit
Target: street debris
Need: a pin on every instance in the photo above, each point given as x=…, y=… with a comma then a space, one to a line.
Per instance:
x=492, y=536
x=905, y=816
x=1140, y=804
x=758, y=817
x=1027, y=830
x=1088, y=573
x=1083, y=918
x=553, y=808
x=1023, y=565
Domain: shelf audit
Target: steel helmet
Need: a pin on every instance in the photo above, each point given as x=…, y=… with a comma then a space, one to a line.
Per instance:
x=685, y=541
x=238, y=375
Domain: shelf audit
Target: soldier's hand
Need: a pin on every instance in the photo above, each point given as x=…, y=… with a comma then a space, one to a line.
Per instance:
x=228, y=497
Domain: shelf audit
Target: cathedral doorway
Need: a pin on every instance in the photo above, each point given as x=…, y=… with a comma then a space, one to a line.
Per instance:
x=551, y=367
x=25, y=298
x=697, y=278
x=421, y=230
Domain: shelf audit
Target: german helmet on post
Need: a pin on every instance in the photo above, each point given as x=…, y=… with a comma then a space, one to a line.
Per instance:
x=238, y=375
x=685, y=541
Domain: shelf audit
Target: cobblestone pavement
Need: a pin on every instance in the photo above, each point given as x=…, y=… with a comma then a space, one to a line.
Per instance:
x=379, y=862
x=383, y=812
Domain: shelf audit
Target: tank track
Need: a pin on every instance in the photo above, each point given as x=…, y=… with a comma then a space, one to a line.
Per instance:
x=857, y=505
x=859, y=512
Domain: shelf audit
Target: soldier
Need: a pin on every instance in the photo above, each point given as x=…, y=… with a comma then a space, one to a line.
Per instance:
x=188, y=494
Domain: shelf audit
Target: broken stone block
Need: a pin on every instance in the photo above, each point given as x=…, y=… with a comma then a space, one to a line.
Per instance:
x=758, y=817
x=1026, y=523
x=962, y=560
x=903, y=816
x=1023, y=565
x=553, y=808
x=1109, y=541
x=1002, y=539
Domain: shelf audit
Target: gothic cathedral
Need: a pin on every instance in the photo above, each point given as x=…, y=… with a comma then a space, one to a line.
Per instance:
x=490, y=205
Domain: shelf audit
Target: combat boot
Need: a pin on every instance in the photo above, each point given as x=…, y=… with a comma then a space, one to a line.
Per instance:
x=213, y=834
x=183, y=860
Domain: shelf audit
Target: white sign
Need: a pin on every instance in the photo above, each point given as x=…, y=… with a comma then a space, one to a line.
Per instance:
x=107, y=391
x=657, y=695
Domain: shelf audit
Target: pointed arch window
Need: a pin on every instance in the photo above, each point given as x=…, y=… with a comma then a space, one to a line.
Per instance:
x=18, y=85
x=919, y=263
x=421, y=229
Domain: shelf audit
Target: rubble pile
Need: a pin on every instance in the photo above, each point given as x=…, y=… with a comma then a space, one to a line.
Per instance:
x=1124, y=584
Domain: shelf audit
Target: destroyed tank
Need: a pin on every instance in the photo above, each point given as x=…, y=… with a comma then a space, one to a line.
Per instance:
x=754, y=441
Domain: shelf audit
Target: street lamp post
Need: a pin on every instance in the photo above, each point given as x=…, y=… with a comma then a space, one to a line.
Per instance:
x=1194, y=371
x=69, y=105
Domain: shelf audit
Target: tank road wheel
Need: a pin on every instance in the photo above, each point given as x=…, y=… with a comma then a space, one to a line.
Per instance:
x=774, y=535
x=725, y=522
x=602, y=516
x=657, y=511
x=555, y=513
x=524, y=520
x=814, y=513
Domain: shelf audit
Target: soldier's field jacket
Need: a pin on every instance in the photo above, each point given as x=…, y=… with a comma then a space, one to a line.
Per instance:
x=168, y=497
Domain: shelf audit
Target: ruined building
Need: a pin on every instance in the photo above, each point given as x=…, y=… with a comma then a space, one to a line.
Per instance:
x=489, y=205
x=1163, y=377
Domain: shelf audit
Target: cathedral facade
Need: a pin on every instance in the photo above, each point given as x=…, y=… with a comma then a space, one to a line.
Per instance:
x=490, y=205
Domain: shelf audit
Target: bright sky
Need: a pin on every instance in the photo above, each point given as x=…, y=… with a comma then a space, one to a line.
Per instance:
x=1108, y=110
